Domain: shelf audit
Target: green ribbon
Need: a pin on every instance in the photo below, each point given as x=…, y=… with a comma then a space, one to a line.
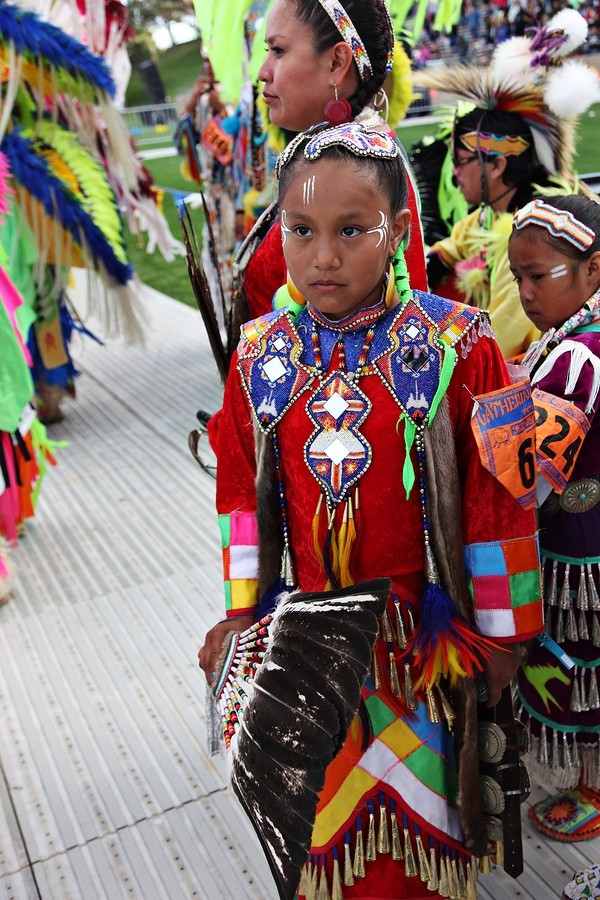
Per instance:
x=448, y=362
x=408, y=471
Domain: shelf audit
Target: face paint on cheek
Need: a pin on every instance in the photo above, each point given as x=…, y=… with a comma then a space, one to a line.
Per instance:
x=558, y=271
x=382, y=229
x=308, y=190
x=284, y=228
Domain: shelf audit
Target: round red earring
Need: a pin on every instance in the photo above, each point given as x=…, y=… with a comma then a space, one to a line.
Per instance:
x=337, y=111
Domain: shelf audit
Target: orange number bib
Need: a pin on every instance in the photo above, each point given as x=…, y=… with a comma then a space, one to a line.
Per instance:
x=503, y=423
x=560, y=428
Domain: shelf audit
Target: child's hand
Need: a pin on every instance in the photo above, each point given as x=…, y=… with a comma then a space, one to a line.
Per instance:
x=500, y=669
x=209, y=653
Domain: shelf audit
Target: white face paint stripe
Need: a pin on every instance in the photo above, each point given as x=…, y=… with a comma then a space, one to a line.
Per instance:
x=558, y=271
x=382, y=229
x=284, y=229
x=308, y=190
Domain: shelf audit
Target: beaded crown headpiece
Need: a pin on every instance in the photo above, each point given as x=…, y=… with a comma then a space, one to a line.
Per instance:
x=560, y=223
x=360, y=141
x=350, y=35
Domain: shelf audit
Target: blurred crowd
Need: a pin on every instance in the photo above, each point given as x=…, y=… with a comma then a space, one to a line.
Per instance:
x=486, y=23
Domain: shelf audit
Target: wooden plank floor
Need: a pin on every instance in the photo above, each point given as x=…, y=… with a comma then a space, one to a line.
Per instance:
x=106, y=790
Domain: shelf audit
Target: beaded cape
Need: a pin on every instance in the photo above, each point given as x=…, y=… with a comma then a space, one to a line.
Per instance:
x=276, y=366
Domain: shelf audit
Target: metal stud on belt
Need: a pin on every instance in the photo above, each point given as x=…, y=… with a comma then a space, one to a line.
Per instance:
x=580, y=496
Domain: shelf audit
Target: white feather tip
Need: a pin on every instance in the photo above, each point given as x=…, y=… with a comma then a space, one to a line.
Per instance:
x=573, y=25
x=572, y=89
x=511, y=59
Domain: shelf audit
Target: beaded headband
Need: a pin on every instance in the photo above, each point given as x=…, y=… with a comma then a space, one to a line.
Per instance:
x=350, y=35
x=390, y=60
x=494, y=144
x=558, y=222
x=358, y=140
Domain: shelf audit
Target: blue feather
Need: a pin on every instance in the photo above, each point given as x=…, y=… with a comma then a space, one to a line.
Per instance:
x=33, y=36
x=34, y=174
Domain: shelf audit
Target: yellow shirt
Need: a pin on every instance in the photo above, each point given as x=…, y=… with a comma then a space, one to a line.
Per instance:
x=479, y=259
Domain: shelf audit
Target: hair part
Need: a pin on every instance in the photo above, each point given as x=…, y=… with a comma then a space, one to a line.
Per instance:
x=584, y=209
x=389, y=174
x=370, y=19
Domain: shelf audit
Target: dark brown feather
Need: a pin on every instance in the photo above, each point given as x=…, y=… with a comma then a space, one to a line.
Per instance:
x=202, y=293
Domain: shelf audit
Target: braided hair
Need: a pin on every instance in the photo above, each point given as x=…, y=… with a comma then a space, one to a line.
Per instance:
x=372, y=23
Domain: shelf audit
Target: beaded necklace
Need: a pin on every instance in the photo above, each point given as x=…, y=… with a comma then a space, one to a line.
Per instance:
x=342, y=367
x=355, y=320
x=369, y=316
x=338, y=396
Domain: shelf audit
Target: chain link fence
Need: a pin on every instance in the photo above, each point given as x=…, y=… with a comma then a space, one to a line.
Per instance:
x=151, y=124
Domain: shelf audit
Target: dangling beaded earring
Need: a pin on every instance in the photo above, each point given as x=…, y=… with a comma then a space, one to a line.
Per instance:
x=337, y=111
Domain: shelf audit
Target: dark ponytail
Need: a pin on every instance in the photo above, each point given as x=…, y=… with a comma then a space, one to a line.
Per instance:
x=370, y=19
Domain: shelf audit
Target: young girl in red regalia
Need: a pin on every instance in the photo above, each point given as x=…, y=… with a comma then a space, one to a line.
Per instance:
x=354, y=417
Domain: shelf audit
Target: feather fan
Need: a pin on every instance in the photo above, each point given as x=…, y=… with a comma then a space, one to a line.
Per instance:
x=287, y=723
x=31, y=35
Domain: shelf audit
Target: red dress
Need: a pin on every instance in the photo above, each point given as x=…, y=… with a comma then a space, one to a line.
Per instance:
x=406, y=772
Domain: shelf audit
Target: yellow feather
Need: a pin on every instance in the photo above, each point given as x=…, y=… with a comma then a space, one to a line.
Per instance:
x=62, y=170
x=401, y=93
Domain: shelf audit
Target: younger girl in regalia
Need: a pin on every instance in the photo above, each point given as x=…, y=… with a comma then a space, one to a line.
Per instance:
x=554, y=252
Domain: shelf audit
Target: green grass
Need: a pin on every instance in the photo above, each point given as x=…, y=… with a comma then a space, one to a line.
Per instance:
x=179, y=66
x=172, y=278
x=586, y=160
x=410, y=134
x=166, y=172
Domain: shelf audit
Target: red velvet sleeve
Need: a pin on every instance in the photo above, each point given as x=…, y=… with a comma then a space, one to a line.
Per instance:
x=501, y=549
x=236, y=498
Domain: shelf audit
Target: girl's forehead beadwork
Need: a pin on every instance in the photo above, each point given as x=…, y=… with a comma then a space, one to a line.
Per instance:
x=360, y=141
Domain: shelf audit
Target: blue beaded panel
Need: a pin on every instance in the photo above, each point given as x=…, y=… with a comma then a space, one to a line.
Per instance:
x=268, y=361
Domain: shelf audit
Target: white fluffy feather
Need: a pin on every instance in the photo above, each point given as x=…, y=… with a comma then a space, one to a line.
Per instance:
x=512, y=60
x=574, y=25
x=571, y=89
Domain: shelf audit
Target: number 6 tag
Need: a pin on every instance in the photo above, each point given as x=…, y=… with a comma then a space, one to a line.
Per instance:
x=503, y=424
x=560, y=428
